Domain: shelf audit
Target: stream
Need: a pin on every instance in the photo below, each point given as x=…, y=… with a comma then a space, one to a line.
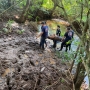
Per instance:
x=52, y=30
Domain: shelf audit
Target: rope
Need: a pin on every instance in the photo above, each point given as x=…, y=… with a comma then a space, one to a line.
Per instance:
x=9, y=8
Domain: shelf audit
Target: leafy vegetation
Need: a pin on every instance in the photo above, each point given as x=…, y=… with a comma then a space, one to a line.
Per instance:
x=20, y=31
x=48, y=4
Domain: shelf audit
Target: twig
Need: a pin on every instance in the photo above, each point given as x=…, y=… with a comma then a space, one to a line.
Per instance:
x=74, y=59
x=52, y=84
x=36, y=83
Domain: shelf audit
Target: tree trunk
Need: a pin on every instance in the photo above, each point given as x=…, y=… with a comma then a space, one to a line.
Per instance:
x=55, y=5
x=24, y=14
x=81, y=31
x=79, y=76
x=74, y=59
x=9, y=3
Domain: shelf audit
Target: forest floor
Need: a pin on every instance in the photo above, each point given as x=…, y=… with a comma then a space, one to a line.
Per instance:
x=24, y=66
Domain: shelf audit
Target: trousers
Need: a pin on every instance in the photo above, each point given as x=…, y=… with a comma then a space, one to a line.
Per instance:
x=42, y=41
x=64, y=43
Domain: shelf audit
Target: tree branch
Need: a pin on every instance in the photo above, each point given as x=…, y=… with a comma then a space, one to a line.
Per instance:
x=81, y=12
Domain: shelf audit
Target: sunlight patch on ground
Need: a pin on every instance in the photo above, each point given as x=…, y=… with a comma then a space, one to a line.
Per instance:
x=36, y=63
x=14, y=24
x=7, y=71
x=52, y=62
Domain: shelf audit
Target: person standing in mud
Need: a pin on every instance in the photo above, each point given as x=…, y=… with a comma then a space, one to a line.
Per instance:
x=43, y=34
x=41, y=31
x=58, y=33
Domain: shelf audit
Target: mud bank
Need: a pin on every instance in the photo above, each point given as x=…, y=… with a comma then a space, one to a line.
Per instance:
x=24, y=66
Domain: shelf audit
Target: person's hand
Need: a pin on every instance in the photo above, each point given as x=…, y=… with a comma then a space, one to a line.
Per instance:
x=62, y=39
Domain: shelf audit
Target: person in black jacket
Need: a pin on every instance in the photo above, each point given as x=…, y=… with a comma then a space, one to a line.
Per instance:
x=67, y=36
x=58, y=33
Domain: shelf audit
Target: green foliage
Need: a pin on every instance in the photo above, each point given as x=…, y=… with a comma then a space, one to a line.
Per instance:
x=44, y=10
x=37, y=18
x=3, y=4
x=8, y=24
x=58, y=12
x=65, y=56
x=62, y=34
x=62, y=80
x=76, y=43
x=5, y=30
x=30, y=15
x=74, y=7
x=48, y=4
x=21, y=3
x=20, y=31
x=68, y=42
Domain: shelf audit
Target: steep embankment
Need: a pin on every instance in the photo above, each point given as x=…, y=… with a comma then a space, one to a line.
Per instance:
x=23, y=66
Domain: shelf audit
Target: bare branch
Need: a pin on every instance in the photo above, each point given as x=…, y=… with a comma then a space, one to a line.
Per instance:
x=74, y=58
x=52, y=84
x=81, y=11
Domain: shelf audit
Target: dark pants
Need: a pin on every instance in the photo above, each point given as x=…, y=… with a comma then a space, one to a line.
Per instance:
x=64, y=43
x=42, y=41
x=54, y=43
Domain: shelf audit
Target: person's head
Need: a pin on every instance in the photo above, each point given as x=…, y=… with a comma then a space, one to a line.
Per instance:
x=68, y=28
x=58, y=26
x=43, y=22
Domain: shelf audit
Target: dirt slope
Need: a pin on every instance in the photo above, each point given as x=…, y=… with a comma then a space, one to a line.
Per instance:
x=23, y=66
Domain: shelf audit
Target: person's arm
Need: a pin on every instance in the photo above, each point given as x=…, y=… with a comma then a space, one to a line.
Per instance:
x=39, y=35
x=56, y=32
x=64, y=37
x=60, y=33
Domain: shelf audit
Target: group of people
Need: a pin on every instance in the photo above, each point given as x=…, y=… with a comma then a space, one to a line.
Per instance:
x=44, y=35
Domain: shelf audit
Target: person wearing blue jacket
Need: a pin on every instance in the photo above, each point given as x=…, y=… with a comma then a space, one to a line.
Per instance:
x=43, y=34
